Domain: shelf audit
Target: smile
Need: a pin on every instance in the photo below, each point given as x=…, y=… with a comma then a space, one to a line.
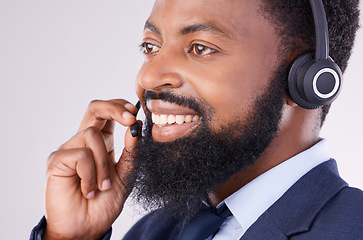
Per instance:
x=171, y=121
x=163, y=120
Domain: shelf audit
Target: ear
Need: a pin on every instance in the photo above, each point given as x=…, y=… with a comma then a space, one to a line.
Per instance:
x=289, y=101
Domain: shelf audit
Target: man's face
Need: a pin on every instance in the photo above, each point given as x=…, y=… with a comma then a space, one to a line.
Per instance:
x=220, y=53
x=211, y=66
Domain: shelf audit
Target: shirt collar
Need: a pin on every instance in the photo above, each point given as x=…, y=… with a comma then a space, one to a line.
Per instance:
x=253, y=199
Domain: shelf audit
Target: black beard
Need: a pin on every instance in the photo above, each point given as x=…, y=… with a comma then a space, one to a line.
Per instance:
x=178, y=176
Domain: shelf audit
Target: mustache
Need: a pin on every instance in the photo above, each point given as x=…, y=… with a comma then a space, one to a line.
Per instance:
x=188, y=102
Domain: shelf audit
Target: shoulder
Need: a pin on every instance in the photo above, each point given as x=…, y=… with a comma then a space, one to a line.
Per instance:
x=345, y=207
x=351, y=196
x=320, y=205
x=341, y=217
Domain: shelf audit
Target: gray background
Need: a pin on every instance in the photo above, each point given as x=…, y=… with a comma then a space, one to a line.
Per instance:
x=56, y=56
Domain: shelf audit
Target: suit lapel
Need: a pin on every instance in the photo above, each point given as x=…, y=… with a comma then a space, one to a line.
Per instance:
x=296, y=210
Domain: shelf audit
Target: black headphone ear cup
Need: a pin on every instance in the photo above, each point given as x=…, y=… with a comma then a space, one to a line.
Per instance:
x=295, y=70
x=312, y=83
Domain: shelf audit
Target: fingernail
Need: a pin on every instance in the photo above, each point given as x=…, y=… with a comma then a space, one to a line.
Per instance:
x=106, y=184
x=129, y=106
x=91, y=195
x=127, y=114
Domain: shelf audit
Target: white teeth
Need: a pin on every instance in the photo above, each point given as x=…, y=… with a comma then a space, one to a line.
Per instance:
x=154, y=118
x=162, y=120
x=171, y=119
x=188, y=118
x=196, y=118
x=179, y=119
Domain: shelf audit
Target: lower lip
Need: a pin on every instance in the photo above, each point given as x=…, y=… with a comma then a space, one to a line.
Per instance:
x=172, y=132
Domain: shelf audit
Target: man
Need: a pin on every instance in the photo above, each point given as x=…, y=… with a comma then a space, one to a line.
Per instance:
x=222, y=133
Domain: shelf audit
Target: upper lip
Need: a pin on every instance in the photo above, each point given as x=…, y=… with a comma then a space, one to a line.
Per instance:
x=161, y=107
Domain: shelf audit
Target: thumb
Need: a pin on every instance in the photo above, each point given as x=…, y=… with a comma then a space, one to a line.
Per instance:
x=124, y=166
x=130, y=139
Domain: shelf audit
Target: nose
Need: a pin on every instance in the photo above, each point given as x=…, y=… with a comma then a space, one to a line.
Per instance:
x=163, y=71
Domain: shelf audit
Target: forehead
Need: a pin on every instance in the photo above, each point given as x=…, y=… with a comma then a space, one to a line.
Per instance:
x=230, y=16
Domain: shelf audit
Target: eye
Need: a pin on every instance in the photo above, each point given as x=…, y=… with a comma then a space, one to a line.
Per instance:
x=149, y=48
x=201, y=50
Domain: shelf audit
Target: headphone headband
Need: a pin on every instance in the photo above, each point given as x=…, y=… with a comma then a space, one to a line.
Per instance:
x=321, y=30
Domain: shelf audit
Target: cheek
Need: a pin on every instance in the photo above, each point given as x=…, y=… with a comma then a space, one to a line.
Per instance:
x=232, y=90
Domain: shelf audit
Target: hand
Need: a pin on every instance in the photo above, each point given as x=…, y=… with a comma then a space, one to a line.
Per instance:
x=85, y=187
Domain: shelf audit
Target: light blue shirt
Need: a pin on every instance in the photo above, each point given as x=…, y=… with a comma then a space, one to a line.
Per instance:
x=253, y=199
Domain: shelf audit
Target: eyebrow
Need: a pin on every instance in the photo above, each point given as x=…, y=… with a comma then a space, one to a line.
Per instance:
x=151, y=27
x=199, y=27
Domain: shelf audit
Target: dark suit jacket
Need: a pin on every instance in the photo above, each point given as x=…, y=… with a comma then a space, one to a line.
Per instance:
x=320, y=206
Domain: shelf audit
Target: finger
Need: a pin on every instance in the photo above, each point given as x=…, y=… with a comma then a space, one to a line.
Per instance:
x=130, y=141
x=92, y=138
x=129, y=106
x=99, y=112
x=75, y=163
x=124, y=166
x=108, y=137
x=109, y=127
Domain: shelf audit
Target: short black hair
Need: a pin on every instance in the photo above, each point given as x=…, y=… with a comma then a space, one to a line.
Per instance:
x=295, y=23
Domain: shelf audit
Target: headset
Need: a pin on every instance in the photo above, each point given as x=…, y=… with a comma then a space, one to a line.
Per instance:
x=315, y=80
x=135, y=128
